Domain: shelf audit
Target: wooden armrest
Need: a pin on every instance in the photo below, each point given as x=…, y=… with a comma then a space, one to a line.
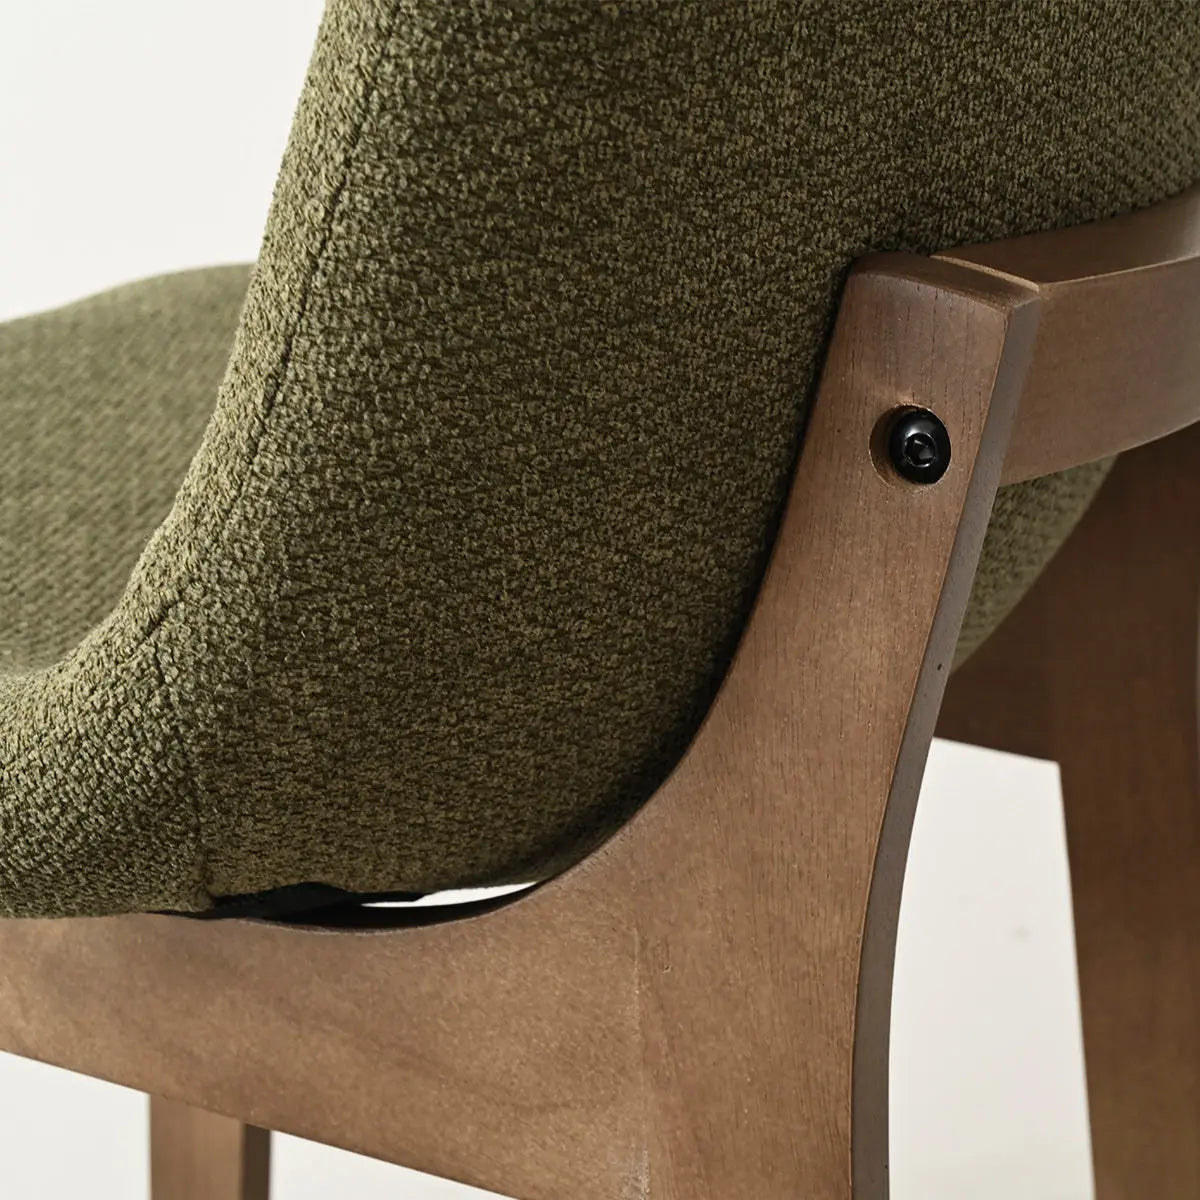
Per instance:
x=1117, y=358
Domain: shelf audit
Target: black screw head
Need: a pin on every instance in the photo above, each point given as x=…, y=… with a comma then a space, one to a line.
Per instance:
x=918, y=445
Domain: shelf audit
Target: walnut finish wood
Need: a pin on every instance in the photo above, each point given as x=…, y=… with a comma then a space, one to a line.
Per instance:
x=683, y=1015
x=1097, y=668
x=197, y=1155
x=1117, y=355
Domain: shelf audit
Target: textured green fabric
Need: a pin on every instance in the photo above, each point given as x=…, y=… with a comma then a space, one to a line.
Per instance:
x=506, y=425
x=1029, y=522
x=104, y=403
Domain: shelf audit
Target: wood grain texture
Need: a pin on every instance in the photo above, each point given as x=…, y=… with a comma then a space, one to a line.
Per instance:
x=680, y=1017
x=1097, y=668
x=197, y=1155
x=1117, y=356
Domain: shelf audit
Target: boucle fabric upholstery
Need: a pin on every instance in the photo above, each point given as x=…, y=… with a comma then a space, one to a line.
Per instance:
x=102, y=405
x=505, y=424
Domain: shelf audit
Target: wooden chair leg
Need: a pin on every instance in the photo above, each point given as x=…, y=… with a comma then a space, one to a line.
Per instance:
x=1098, y=669
x=197, y=1155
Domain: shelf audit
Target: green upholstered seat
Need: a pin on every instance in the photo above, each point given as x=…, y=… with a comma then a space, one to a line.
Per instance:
x=422, y=570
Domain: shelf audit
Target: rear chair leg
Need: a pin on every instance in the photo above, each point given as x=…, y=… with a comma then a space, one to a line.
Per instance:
x=1098, y=669
x=197, y=1155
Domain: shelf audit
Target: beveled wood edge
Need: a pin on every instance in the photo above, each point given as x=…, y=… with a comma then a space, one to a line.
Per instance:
x=1118, y=354
x=1158, y=234
x=874, y=1000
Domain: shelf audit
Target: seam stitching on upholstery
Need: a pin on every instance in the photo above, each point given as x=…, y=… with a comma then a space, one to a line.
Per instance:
x=270, y=403
x=200, y=866
x=275, y=387
x=281, y=377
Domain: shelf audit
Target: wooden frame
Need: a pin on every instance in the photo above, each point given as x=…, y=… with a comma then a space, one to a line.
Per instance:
x=700, y=1009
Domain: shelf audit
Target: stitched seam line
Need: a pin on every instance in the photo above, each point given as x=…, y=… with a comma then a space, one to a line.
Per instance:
x=281, y=377
x=200, y=864
x=276, y=386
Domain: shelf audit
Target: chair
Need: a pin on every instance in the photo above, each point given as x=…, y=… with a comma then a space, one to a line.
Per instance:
x=699, y=1006
x=581, y=1039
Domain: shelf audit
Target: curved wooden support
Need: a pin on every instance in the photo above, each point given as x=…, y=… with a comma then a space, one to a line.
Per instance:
x=1117, y=357
x=1097, y=668
x=682, y=1016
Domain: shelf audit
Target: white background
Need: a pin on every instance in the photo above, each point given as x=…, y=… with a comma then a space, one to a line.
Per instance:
x=139, y=136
